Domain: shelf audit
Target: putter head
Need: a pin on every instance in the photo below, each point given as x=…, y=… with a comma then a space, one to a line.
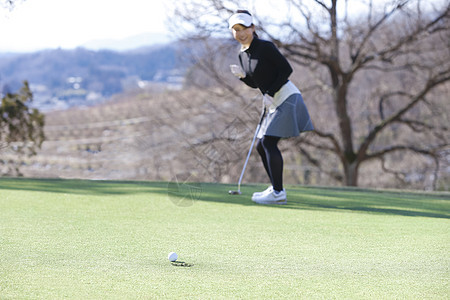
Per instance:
x=234, y=192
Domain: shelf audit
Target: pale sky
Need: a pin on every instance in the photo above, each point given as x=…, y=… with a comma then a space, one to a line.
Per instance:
x=41, y=24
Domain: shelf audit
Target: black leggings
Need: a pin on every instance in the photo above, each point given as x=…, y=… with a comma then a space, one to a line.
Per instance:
x=273, y=161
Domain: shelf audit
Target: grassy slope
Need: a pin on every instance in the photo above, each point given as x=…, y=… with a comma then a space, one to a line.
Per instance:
x=84, y=239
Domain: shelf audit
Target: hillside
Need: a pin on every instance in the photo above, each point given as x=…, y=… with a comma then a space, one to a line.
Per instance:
x=154, y=136
x=66, y=78
x=202, y=132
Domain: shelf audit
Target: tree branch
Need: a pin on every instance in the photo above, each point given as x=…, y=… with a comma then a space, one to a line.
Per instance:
x=357, y=58
x=406, y=40
x=432, y=83
x=430, y=153
x=332, y=139
x=324, y=5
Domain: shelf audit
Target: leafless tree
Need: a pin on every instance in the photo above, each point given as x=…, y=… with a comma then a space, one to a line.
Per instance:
x=380, y=74
x=9, y=4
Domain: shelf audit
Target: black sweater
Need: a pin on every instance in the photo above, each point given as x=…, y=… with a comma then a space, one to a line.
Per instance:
x=265, y=67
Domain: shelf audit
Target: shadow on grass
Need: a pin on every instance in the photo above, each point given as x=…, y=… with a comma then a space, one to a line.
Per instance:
x=82, y=187
x=390, y=202
x=181, y=264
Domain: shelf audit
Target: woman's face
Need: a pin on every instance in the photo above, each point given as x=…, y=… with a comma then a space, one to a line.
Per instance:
x=242, y=34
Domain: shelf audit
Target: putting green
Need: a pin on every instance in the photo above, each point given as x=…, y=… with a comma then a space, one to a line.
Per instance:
x=105, y=239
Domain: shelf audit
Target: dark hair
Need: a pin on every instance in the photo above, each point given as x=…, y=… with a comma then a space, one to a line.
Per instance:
x=244, y=11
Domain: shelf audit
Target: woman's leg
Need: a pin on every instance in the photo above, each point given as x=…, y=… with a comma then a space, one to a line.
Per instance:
x=272, y=160
x=262, y=153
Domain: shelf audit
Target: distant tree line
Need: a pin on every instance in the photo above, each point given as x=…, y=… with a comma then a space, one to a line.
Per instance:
x=102, y=71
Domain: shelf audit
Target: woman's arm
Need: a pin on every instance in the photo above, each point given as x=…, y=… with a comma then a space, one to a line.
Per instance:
x=283, y=68
x=249, y=81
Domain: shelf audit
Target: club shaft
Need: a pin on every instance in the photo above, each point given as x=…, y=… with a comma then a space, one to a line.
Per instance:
x=251, y=146
x=248, y=156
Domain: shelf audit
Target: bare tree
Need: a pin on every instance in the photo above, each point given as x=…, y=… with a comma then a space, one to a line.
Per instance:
x=9, y=4
x=381, y=74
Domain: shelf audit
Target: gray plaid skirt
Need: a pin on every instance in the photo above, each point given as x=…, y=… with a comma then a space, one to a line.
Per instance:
x=288, y=120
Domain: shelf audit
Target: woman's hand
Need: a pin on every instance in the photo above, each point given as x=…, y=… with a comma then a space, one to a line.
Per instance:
x=237, y=71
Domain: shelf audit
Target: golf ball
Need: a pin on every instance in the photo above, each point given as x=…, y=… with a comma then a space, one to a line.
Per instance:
x=173, y=256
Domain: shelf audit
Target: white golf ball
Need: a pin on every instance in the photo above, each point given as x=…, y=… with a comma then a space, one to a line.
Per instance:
x=173, y=256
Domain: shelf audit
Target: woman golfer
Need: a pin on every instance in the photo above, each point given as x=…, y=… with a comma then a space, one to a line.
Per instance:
x=262, y=66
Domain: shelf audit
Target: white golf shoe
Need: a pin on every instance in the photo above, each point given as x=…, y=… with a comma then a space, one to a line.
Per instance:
x=266, y=191
x=273, y=197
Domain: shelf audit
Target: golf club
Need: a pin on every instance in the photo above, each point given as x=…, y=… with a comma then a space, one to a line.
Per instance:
x=238, y=191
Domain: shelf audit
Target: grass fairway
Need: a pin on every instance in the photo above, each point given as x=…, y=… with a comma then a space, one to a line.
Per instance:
x=110, y=240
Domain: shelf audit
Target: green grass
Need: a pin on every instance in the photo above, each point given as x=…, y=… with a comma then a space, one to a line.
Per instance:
x=110, y=240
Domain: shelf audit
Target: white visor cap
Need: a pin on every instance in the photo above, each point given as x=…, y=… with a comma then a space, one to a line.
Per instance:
x=240, y=18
